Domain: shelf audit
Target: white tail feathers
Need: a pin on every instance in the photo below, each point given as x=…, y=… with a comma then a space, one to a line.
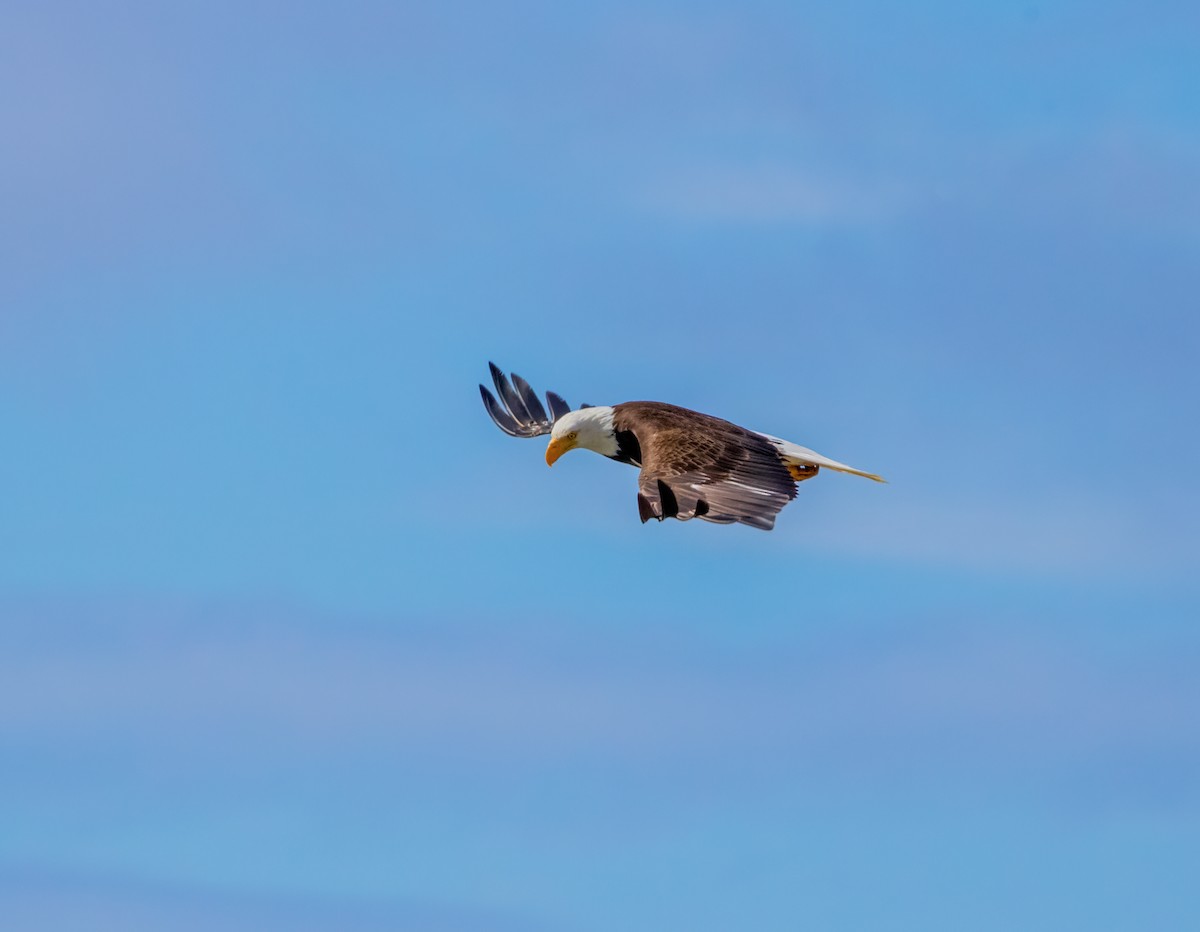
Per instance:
x=793, y=453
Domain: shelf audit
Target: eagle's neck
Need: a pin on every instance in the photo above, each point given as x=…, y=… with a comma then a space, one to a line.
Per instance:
x=594, y=429
x=610, y=438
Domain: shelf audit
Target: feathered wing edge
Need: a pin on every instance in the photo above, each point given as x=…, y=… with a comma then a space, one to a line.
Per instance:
x=519, y=413
x=693, y=495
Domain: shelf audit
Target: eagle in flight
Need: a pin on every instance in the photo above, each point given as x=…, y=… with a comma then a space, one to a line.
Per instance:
x=692, y=465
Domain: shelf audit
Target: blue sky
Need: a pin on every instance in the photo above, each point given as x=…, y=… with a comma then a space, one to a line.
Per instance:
x=292, y=638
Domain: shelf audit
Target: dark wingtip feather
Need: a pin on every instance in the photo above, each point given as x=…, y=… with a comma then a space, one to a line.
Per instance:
x=558, y=405
x=516, y=408
x=670, y=504
x=529, y=398
x=509, y=396
x=499, y=416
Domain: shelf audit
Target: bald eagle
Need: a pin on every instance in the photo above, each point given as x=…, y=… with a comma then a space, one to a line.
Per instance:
x=692, y=465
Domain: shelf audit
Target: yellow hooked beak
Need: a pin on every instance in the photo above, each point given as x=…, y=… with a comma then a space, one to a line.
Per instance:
x=559, y=446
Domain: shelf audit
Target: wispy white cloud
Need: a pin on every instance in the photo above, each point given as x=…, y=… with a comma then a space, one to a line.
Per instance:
x=463, y=692
x=770, y=194
x=1067, y=539
x=66, y=901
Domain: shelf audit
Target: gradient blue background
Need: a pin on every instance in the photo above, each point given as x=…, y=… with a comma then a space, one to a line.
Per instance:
x=292, y=638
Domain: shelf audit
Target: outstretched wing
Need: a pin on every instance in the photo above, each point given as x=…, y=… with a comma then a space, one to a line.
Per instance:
x=697, y=466
x=519, y=413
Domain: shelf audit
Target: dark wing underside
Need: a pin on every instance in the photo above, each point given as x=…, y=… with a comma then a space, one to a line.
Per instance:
x=697, y=466
x=520, y=414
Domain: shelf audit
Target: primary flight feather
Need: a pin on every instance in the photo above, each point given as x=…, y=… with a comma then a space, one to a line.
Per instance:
x=692, y=465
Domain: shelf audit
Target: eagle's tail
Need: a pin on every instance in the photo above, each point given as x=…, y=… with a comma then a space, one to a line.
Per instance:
x=801, y=461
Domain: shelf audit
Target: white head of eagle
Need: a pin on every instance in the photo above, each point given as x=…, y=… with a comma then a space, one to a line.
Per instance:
x=588, y=429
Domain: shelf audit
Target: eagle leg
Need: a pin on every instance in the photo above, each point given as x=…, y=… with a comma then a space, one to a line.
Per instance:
x=801, y=471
